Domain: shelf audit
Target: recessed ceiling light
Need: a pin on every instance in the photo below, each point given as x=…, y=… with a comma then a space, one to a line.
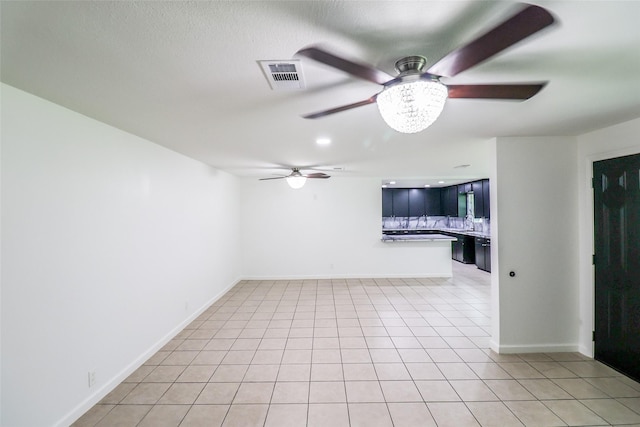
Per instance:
x=427, y=185
x=323, y=141
x=392, y=182
x=440, y=182
x=384, y=185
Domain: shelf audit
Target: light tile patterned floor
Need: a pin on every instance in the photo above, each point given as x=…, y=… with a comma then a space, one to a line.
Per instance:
x=361, y=352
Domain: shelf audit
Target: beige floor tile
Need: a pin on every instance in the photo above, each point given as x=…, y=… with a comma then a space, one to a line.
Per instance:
x=164, y=374
x=424, y=371
x=261, y=373
x=164, y=416
x=400, y=391
x=183, y=358
x=574, y=413
x=300, y=372
x=520, y=370
x=124, y=415
x=326, y=372
x=254, y=393
x=544, y=389
x=534, y=414
x=509, y=390
x=196, y=374
x=205, y=415
x=296, y=356
x=229, y=373
x=210, y=357
x=473, y=390
x=551, y=369
x=290, y=392
x=414, y=355
x=614, y=387
x=326, y=356
x=391, y=371
x=146, y=394
x=452, y=415
x=217, y=394
x=287, y=415
x=328, y=414
x=246, y=416
x=443, y=355
x=363, y=391
x=181, y=394
x=379, y=342
x=93, y=416
x=632, y=403
x=118, y=393
x=369, y=415
x=493, y=414
x=410, y=415
x=327, y=392
x=489, y=371
x=580, y=389
x=355, y=356
x=220, y=344
x=612, y=411
x=246, y=344
x=359, y=372
x=437, y=391
x=457, y=371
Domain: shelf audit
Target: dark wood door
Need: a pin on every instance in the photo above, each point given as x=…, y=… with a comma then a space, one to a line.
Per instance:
x=616, y=188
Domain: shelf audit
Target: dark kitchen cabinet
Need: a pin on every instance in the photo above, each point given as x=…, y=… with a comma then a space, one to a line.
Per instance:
x=400, y=201
x=464, y=188
x=433, y=205
x=483, y=253
x=449, y=198
x=417, y=198
x=387, y=203
x=462, y=250
x=485, y=198
x=478, y=199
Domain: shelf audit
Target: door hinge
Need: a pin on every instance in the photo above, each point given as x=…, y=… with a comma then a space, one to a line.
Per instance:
x=593, y=336
x=593, y=183
x=593, y=259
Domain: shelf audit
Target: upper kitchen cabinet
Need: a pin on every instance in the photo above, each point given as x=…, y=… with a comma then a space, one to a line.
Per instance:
x=485, y=198
x=449, y=199
x=417, y=198
x=481, y=198
x=433, y=205
x=411, y=202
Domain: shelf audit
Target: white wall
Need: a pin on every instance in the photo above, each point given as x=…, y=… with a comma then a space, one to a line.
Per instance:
x=110, y=245
x=537, y=205
x=328, y=228
x=614, y=141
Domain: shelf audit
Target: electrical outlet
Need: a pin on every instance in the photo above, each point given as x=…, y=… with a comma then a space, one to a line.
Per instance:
x=92, y=378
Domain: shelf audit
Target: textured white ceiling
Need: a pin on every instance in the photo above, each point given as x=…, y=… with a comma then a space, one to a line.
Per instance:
x=185, y=75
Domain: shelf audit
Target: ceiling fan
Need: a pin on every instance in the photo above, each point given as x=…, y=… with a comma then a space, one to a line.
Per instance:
x=297, y=179
x=413, y=100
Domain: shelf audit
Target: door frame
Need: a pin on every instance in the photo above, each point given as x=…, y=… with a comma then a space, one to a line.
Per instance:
x=587, y=277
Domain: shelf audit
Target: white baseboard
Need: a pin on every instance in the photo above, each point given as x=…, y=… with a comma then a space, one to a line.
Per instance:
x=111, y=384
x=534, y=348
x=353, y=276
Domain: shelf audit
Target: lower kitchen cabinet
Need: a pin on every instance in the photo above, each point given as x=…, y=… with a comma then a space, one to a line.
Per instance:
x=483, y=253
x=462, y=250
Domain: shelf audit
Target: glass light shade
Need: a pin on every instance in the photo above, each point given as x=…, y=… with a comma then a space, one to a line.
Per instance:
x=296, y=182
x=412, y=107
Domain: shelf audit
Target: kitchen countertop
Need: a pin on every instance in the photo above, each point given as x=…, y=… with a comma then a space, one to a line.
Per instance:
x=438, y=230
x=417, y=238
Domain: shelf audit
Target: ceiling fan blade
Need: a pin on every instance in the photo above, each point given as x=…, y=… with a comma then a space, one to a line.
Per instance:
x=339, y=109
x=318, y=175
x=520, y=26
x=275, y=177
x=362, y=71
x=505, y=91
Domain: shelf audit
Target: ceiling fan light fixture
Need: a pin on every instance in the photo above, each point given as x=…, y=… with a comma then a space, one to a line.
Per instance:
x=296, y=181
x=412, y=107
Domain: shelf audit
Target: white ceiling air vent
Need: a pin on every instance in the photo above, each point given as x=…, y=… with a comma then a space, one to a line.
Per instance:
x=283, y=75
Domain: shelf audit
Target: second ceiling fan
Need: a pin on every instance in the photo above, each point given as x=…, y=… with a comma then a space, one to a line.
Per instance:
x=413, y=100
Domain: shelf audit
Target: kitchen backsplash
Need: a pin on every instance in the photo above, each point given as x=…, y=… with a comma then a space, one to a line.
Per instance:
x=481, y=225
